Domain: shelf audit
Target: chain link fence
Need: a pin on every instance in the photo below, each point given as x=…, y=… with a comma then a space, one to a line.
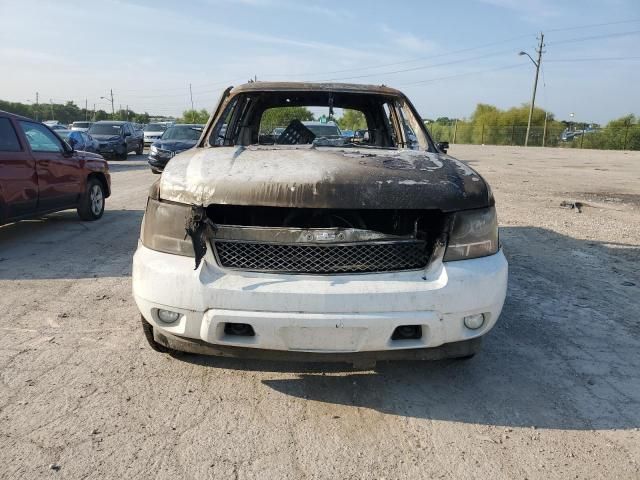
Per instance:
x=609, y=138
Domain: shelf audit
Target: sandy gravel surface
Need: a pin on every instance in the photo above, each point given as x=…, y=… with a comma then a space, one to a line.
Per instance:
x=555, y=394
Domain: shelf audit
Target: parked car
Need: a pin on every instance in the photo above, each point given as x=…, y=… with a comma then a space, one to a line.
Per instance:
x=314, y=249
x=58, y=127
x=360, y=136
x=40, y=173
x=328, y=129
x=153, y=132
x=81, y=126
x=174, y=140
x=81, y=141
x=63, y=133
x=117, y=139
x=348, y=134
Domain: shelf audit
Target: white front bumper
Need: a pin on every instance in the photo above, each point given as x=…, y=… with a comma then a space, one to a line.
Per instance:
x=319, y=313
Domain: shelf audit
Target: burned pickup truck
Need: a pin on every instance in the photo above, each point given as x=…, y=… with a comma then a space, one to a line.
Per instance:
x=306, y=245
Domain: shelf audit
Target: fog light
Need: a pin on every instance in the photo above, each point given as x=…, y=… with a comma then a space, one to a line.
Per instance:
x=167, y=316
x=474, y=322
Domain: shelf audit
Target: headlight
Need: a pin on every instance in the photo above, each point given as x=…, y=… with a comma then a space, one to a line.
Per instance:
x=163, y=228
x=153, y=150
x=474, y=234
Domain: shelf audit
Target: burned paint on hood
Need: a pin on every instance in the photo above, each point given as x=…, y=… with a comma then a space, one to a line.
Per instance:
x=308, y=176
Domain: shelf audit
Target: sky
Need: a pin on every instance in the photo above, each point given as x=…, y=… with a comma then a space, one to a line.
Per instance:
x=447, y=56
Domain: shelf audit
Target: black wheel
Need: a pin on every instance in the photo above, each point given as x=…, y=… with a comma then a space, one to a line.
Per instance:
x=157, y=172
x=140, y=148
x=91, y=205
x=148, y=334
x=124, y=154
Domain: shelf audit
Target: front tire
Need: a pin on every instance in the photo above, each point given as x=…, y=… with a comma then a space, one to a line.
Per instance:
x=91, y=205
x=140, y=149
x=124, y=154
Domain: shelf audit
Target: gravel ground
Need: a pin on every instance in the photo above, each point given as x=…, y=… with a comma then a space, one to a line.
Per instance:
x=554, y=394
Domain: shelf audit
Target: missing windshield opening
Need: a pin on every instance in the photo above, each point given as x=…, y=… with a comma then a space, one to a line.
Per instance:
x=322, y=118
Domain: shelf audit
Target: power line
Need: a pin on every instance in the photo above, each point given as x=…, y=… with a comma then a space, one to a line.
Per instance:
x=455, y=52
x=384, y=65
x=593, y=25
x=422, y=67
x=594, y=59
x=477, y=72
x=594, y=37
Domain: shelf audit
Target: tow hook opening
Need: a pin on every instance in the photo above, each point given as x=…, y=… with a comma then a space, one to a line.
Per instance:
x=407, y=332
x=239, y=329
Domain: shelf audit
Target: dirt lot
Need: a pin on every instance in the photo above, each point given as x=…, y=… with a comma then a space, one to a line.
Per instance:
x=554, y=394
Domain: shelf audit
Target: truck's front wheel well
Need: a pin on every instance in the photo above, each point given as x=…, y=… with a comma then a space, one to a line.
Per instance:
x=102, y=179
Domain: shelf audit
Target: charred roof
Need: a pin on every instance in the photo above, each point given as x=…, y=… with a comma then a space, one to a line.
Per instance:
x=315, y=87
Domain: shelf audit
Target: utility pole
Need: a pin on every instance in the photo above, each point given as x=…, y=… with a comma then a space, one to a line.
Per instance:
x=113, y=110
x=37, y=98
x=51, y=105
x=120, y=112
x=127, y=113
x=86, y=109
x=192, y=112
x=93, y=118
x=544, y=131
x=455, y=131
x=535, y=83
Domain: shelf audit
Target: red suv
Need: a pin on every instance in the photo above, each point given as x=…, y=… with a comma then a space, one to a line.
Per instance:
x=40, y=173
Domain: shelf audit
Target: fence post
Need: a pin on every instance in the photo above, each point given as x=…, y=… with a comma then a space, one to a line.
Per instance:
x=513, y=133
x=482, y=137
x=626, y=133
x=455, y=131
x=582, y=137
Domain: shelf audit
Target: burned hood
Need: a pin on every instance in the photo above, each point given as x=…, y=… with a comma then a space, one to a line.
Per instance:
x=306, y=176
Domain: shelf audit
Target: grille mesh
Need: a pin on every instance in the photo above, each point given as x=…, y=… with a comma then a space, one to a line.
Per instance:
x=360, y=257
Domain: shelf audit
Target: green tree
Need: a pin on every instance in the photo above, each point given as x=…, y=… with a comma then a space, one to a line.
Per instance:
x=352, y=120
x=282, y=116
x=141, y=117
x=194, y=116
x=622, y=133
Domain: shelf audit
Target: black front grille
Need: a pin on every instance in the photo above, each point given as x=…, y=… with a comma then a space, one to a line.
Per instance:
x=304, y=258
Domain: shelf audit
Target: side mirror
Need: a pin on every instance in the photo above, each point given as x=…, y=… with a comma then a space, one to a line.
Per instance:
x=127, y=134
x=443, y=146
x=72, y=141
x=68, y=148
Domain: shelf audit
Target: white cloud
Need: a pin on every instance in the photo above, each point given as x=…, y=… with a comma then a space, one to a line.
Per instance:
x=408, y=41
x=292, y=6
